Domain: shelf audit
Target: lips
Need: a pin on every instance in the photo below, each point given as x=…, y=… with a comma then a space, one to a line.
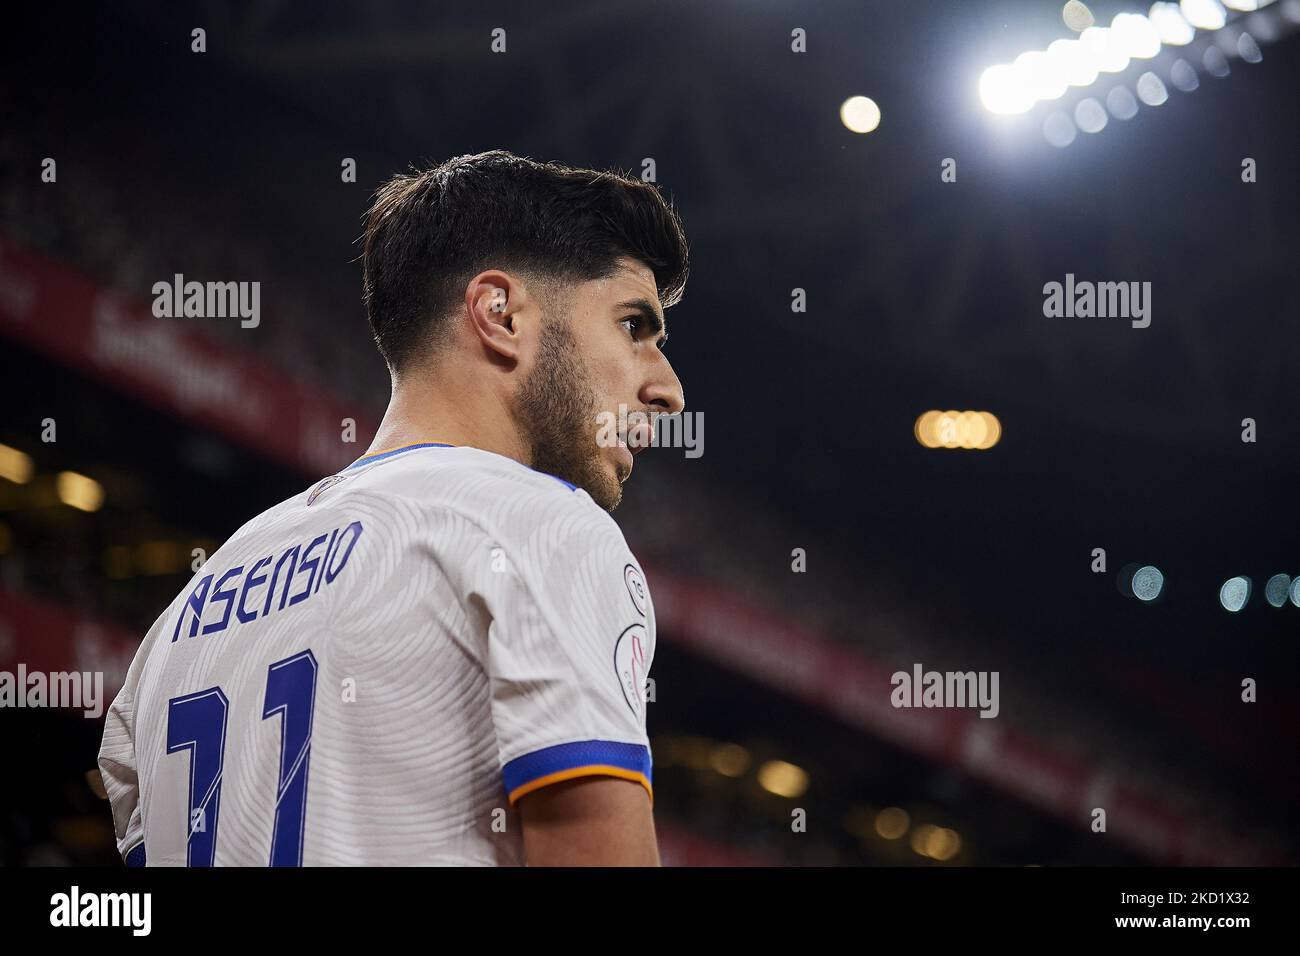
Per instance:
x=638, y=437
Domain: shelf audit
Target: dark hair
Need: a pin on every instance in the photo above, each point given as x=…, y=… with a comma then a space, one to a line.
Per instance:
x=428, y=233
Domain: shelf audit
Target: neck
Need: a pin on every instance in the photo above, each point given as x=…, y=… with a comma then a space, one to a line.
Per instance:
x=419, y=411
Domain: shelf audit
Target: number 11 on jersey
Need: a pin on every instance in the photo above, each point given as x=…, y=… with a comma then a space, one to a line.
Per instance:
x=197, y=723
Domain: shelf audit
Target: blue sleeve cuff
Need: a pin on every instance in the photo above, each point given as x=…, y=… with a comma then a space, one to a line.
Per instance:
x=584, y=758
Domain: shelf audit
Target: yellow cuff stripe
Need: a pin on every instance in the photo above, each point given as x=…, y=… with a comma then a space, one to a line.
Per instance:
x=591, y=770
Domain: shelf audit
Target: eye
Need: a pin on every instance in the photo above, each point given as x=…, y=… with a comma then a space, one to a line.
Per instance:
x=633, y=325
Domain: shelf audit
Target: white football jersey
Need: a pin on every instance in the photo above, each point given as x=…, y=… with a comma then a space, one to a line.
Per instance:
x=376, y=670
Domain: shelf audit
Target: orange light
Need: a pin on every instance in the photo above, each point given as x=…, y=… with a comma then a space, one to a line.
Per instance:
x=954, y=429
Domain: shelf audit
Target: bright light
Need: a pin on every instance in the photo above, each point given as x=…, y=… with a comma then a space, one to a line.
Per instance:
x=924, y=429
x=1151, y=90
x=1147, y=583
x=15, y=465
x=1243, y=4
x=1090, y=116
x=1204, y=14
x=1001, y=92
x=1183, y=76
x=78, y=491
x=1216, y=64
x=1234, y=594
x=953, y=429
x=1040, y=75
x=1121, y=104
x=942, y=844
x=1135, y=35
x=1275, y=590
x=892, y=822
x=860, y=114
x=783, y=779
x=1106, y=55
x=1171, y=24
x=1076, y=15
x=1058, y=129
x=921, y=838
x=730, y=760
x=1070, y=59
x=945, y=429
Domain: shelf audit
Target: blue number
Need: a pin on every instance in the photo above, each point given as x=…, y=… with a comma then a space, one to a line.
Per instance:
x=291, y=692
x=197, y=723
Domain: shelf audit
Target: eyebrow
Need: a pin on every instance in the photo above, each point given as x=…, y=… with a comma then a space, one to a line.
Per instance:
x=649, y=314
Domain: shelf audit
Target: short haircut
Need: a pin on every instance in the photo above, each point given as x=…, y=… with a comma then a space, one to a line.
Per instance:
x=429, y=232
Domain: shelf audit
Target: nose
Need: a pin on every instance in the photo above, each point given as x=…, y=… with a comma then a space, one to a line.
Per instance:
x=662, y=390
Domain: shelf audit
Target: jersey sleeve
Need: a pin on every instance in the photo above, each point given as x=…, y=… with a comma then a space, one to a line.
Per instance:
x=570, y=644
x=117, y=760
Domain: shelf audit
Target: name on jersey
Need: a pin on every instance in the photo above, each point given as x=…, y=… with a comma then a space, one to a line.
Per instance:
x=296, y=574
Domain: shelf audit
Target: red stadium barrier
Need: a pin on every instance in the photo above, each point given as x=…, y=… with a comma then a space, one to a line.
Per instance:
x=856, y=689
x=61, y=313
x=48, y=638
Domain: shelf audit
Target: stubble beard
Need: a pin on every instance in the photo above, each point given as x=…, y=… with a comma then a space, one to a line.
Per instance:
x=556, y=409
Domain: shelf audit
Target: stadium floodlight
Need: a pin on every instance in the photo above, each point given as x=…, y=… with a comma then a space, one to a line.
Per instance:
x=15, y=466
x=79, y=491
x=1276, y=589
x=1183, y=75
x=1059, y=130
x=860, y=114
x=1077, y=16
x=1248, y=49
x=1001, y=92
x=1070, y=59
x=1106, y=55
x=1235, y=593
x=1121, y=103
x=1216, y=64
x=783, y=778
x=1135, y=35
x=1170, y=23
x=1147, y=583
x=1090, y=115
x=1040, y=75
x=1151, y=90
x=1204, y=14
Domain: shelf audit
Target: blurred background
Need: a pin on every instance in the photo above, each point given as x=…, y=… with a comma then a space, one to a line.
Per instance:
x=1117, y=156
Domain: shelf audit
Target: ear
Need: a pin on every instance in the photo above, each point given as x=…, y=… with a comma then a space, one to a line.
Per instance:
x=499, y=310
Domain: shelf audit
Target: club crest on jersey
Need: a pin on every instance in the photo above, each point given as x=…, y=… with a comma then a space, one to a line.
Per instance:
x=324, y=485
x=630, y=665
